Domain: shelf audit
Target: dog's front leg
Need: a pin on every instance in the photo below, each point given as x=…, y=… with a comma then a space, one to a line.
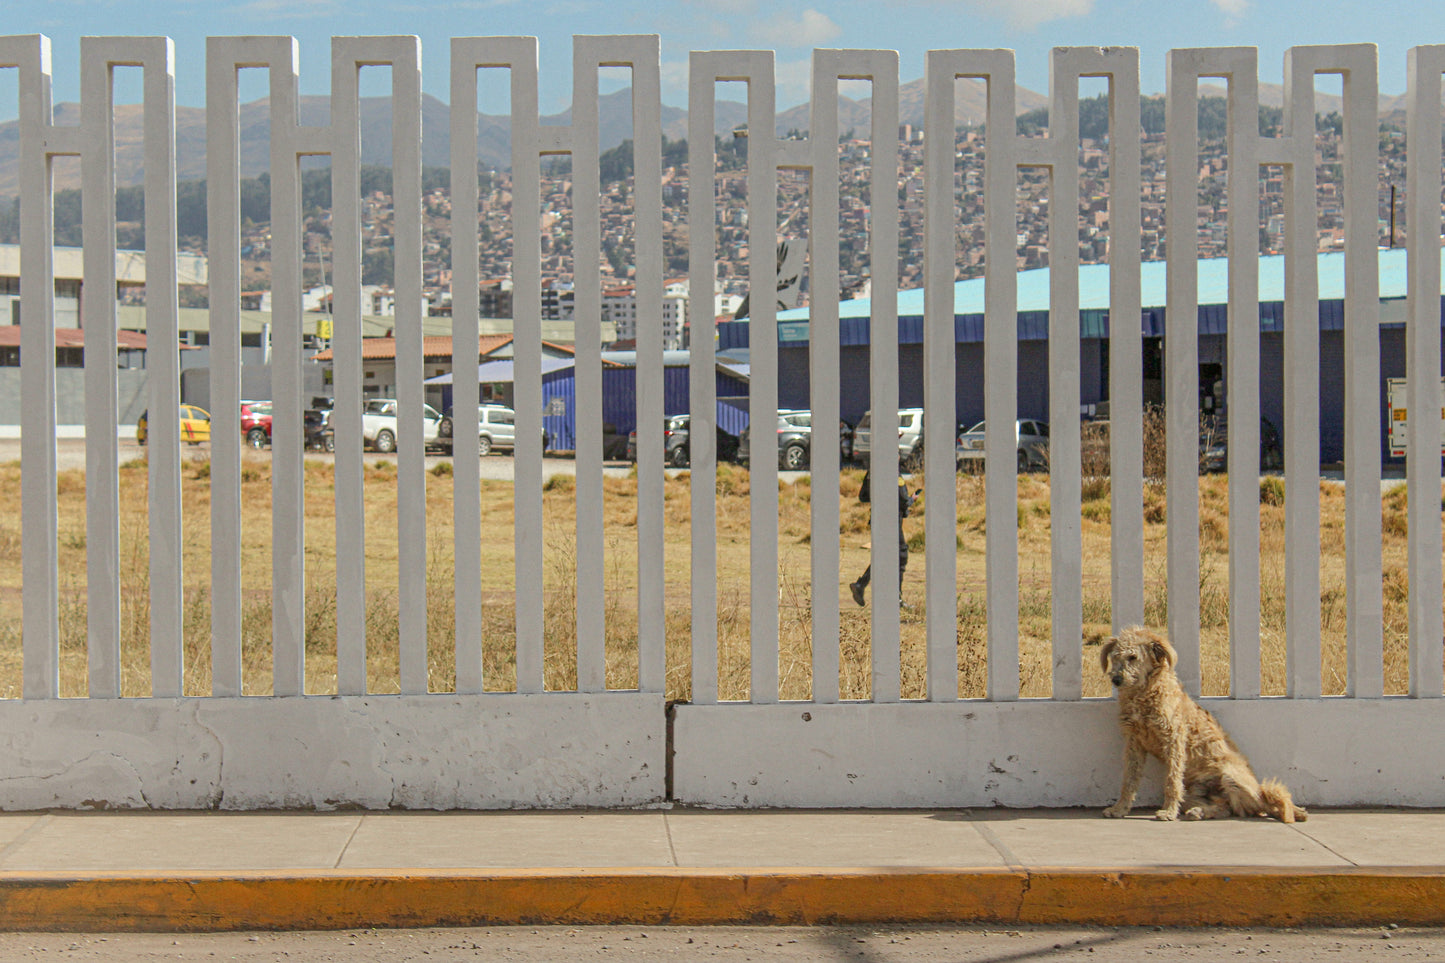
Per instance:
x=1134, y=756
x=1175, y=752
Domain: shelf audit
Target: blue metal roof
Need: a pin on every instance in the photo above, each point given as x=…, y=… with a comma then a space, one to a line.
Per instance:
x=1033, y=302
x=502, y=371
x=1033, y=286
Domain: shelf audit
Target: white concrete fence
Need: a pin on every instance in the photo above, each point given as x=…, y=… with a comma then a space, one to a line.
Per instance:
x=601, y=747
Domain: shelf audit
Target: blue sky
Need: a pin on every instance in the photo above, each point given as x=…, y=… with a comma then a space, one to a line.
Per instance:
x=792, y=29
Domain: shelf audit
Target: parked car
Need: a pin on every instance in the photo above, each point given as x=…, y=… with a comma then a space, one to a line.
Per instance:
x=910, y=437
x=195, y=425
x=678, y=453
x=496, y=428
x=1031, y=440
x=794, y=435
x=1214, y=445
x=256, y=423
x=378, y=424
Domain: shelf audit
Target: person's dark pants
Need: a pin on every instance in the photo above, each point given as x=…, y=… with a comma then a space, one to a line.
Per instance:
x=867, y=575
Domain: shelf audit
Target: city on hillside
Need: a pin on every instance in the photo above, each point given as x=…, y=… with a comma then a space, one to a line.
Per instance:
x=617, y=264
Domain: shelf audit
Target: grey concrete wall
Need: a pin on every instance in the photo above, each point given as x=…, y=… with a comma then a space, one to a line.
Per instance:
x=70, y=396
x=133, y=395
x=1036, y=752
x=496, y=751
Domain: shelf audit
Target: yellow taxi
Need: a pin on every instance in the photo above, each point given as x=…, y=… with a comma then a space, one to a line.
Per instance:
x=195, y=425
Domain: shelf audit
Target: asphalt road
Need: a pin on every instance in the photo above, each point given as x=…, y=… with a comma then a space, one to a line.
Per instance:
x=876, y=944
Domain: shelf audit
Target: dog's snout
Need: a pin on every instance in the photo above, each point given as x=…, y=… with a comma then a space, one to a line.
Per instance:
x=1117, y=678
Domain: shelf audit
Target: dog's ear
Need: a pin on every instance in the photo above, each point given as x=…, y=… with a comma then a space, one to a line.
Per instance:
x=1109, y=647
x=1163, y=652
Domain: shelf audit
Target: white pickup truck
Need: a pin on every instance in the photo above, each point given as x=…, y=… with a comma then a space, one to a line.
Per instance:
x=378, y=424
x=1399, y=416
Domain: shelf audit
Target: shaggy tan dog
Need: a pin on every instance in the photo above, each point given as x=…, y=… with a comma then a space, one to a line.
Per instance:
x=1207, y=776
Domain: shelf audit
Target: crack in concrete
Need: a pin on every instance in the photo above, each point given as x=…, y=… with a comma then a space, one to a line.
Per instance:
x=218, y=792
x=66, y=769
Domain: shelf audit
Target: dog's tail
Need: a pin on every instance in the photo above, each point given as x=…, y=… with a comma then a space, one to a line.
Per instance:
x=1279, y=804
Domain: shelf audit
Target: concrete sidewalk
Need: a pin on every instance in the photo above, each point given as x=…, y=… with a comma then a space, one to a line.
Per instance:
x=67, y=871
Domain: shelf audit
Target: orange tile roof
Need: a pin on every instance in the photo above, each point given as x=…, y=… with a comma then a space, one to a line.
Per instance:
x=433, y=346
x=74, y=338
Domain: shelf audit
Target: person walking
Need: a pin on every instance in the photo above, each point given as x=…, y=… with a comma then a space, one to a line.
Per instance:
x=905, y=502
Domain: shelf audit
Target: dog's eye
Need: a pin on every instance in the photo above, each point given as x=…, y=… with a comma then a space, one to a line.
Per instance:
x=1133, y=658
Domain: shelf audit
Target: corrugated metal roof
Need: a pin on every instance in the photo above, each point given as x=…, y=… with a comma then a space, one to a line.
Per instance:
x=1033, y=286
x=1033, y=302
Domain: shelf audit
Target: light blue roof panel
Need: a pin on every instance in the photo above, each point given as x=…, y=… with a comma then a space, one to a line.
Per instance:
x=1033, y=286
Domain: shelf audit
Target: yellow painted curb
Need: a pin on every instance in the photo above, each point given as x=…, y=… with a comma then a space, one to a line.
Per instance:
x=115, y=902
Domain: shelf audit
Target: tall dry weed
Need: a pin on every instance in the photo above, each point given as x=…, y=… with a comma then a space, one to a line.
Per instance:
x=793, y=643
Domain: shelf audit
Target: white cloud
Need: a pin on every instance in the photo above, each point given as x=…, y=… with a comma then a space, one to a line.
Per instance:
x=794, y=80
x=292, y=9
x=1233, y=10
x=810, y=29
x=1028, y=14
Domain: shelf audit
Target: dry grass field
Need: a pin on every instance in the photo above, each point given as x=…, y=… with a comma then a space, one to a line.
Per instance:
x=495, y=594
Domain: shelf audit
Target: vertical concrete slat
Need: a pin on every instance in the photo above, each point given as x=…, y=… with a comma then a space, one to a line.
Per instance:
x=883, y=463
x=704, y=70
x=823, y=379
x=1181, y=362
x=1364, y=600
x=643, y=55
x=881, y=66
x=288, y=570
x=404, y=56
x=587, y=249
x=1301, y=384
x=1000, y=379
x=98, y=311
x=527, y=339
x=346, y=348
x=1126, y=344
x=1238, y=65
x=1243, y=376
x=939, y=379
x=163, y=362
x=1065, y=489
x=1422, y=362
x=467, y=56
x=40, y=565
x=762, y=187
x=225, y=56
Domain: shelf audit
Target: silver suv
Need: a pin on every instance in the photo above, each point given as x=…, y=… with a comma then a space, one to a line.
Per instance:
x=496, y=428
x=910, y=437
x=1032, y=443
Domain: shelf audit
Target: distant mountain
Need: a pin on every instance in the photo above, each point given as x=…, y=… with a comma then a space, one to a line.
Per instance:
x=493, y=139
x=1272, y=95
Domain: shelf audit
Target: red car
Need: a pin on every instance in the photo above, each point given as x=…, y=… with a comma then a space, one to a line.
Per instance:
x=256, y=423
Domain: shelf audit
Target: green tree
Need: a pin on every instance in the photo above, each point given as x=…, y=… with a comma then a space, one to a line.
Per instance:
x=9, y=220
x=378, y=266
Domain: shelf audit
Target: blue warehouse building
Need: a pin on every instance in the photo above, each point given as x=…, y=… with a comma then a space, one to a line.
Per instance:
x=1033, y=318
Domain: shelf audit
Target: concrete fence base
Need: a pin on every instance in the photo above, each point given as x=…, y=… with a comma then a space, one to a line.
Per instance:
x=1332, y=752
x=321, y=752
